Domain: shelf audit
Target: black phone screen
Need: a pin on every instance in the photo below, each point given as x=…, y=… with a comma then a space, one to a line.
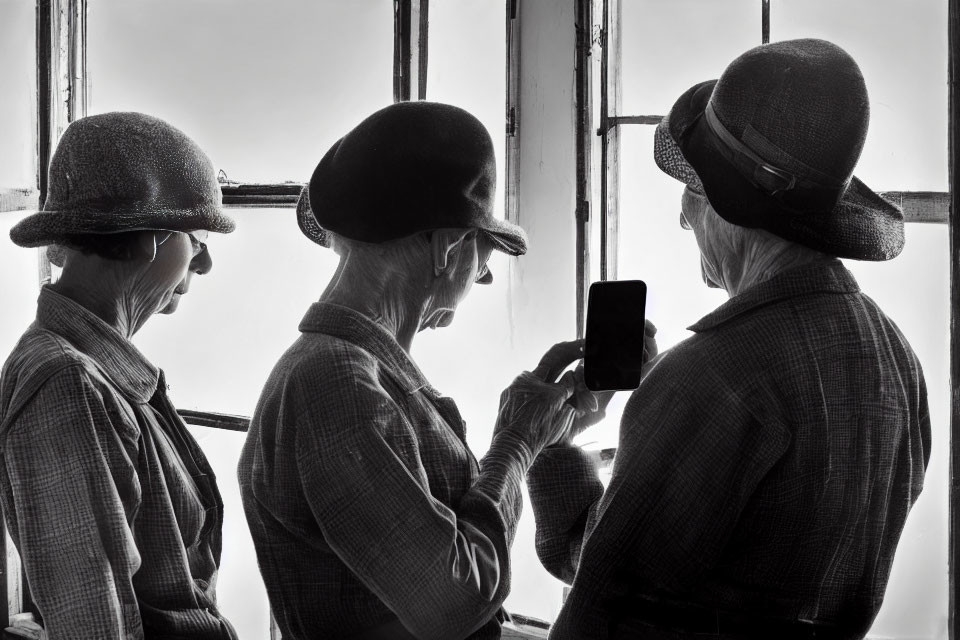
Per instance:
x=613, y=345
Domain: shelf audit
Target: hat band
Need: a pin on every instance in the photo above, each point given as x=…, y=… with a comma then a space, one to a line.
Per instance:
x=793, y=189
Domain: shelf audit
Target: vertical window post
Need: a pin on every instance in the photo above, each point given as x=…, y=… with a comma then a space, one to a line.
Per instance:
x=953, y=108
x=512, y=115
x=610, y=107
x=410, y=49
x=765, y=22
x=582, y=98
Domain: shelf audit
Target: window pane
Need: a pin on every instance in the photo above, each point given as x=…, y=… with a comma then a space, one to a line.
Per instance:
x=670, y=46
x=264, y=87
x=18, y=79
x=901, y=47
x=18, y=284
x=217, y=351
x=236, y=321
x=467, y=56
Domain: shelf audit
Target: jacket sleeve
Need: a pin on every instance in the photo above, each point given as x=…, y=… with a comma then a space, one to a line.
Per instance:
x=67, y=508
x=443, y=571
x=564, y=489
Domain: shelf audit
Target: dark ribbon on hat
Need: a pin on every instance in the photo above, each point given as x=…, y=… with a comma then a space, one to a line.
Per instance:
x=800, y=186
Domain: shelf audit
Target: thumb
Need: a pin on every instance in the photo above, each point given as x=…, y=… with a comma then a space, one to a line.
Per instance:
x=568, y=384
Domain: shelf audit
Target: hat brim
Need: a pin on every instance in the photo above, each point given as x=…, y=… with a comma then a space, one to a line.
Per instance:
x=307, y=222
x=56, y=227
x=506, y=236
x=862, y=225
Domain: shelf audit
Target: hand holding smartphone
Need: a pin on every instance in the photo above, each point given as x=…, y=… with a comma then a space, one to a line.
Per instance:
x=614, y=340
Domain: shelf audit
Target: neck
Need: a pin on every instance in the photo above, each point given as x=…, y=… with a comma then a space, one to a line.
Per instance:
x=387, y=296
x=104, y=292
x=763, y=260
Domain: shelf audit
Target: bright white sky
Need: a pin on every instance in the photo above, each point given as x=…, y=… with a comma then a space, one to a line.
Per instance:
x=266, y=87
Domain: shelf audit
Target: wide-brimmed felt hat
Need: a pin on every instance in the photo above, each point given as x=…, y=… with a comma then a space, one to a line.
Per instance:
x=773, y=144
x=408, y=168
x=118, y=172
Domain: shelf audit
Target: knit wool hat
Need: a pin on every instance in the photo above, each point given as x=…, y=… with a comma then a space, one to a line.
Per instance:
x=118, y=172
x=773, y=144
x=408, y=168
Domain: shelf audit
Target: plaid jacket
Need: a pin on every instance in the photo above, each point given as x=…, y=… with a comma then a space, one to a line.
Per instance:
x=110, y=501
x=766, y=467
x=370, y=516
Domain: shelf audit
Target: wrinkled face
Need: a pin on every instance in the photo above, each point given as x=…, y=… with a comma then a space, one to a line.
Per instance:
x=179, y=256
x=468, y=265
x=694, y=212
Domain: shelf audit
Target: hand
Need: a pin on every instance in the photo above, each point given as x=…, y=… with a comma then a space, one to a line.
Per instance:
x=650, y=349
x=590, y=407
x=535, y=411
x=535, y=406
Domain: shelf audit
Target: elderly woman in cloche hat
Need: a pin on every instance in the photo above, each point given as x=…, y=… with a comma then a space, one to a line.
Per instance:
x=109, y=499
x=767, y=464
x=370, y=515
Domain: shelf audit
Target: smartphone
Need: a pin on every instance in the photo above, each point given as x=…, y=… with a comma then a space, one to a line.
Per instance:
x=613, y=344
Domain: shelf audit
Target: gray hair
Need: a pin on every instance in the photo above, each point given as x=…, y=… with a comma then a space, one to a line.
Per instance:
x=377, y=258
x=742, y=256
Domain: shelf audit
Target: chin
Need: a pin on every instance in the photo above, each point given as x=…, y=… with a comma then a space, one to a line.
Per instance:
x=442, y=318
x=171, y=306
x=446, y=320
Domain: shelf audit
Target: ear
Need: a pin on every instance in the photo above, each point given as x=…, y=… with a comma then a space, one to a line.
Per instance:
x=444, y=245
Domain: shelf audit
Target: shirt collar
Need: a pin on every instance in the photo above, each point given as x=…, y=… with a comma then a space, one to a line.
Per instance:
x=342, y=322
x=820, y=277
x=114, y=355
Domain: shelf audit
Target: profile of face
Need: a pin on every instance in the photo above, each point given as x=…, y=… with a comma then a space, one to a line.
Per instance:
x=695, y=214
x=460, y=260
x=178, y=257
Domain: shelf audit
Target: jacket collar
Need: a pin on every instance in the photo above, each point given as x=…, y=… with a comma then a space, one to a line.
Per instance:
x=347, y=324
x=820, y=277
x=113, y=354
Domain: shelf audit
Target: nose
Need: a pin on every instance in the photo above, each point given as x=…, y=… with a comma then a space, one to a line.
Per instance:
x=202, y=263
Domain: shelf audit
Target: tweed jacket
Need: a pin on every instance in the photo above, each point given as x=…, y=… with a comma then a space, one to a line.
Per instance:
x=765, y=470
x=109, y=499
x=370, y=516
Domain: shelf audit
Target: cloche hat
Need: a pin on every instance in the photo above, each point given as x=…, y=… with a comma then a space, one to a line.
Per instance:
x=407, y=168
x=117, y=172
x=773, y=144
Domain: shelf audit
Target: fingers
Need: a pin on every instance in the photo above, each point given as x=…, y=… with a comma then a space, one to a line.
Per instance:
x=568, y=384
x=557, y=358
x=649, y=329
x=603, y=399
x=650, y=348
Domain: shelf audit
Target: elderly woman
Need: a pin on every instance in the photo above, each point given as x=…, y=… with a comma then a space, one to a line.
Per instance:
x=370, y=515
x=766, y=464
x=110, y=501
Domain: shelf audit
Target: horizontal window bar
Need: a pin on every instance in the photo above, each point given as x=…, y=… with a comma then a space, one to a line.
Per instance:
x=19, y=199
x=921, y=206
x=215, y=420
x=284, y=194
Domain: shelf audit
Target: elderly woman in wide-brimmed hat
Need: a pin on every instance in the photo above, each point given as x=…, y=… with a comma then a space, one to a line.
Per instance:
x=767, y=464
x=370, y=515
x=110, y=501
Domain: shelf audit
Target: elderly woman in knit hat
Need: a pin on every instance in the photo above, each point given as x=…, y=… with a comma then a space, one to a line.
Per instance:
x=370, y=515
x=110, y=501
x=767, y=463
